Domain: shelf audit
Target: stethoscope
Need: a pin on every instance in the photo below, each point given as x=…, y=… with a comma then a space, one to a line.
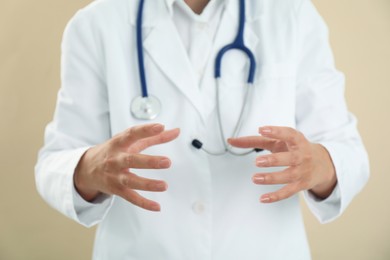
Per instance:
x=147, y=107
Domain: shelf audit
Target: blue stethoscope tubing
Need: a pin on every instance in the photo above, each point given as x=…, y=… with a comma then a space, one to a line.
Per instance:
x=143, y=107
x=238, y=44
x=141, y=63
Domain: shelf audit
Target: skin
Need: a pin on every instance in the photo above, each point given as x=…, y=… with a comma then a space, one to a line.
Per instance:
x=309, y=165
x=197, y=5
x=107, y=168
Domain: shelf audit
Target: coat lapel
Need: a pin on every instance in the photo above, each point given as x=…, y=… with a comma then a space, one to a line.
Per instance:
x=163, y=45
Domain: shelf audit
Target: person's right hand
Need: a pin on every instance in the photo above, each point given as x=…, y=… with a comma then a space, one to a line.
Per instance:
x=105, y=168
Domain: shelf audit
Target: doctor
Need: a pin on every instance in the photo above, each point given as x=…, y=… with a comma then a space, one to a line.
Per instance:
x=162, y=194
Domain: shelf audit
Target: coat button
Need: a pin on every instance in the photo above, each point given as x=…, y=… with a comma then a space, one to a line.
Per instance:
x=198, y=207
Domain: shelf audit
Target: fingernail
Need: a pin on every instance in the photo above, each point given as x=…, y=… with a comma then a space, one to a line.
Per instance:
x=265, y=130
x=258, y=179
x=157, y=128
x=261, y=161
x=265, y=199
x=164, y=163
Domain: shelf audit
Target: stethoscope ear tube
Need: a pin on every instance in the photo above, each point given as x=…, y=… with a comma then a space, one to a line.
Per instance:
x=235, y=46
x=238, y=44
x=140, y=53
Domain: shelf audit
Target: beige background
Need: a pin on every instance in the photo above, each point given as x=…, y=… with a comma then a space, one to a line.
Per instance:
x=30, y=35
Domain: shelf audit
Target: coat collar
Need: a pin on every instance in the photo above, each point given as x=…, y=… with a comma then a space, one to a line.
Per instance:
x=163, y=45
x=163, y=9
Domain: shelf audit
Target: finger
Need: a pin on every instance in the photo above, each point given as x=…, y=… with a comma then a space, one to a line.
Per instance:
x=132, y=181
x=136, y=133
x=141, y=161
x=282, y=194
x=283, y=177
x=136, y=199
x=260, y=142
x=287, y=134
x=293, y=158
x=164, y=137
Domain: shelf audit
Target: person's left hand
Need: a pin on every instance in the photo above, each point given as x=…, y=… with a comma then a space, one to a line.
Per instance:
x=309, y=166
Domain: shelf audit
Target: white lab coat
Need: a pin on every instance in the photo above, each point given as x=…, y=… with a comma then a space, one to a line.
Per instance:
x=211, y=209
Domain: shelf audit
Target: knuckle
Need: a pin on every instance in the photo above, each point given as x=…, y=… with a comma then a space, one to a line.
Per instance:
x=279, y=145
x=276, y=130
x=130, y=160
x=143, y=130
x=108, y=163
x=144, y=143
x=141, y=202
x=275, y=197
x=273, y=160
x=293, y=170
x=123, y=181
x=153, y=163
x=294, y=138
x=147, y=185
x=138, y=146
x=160, y=138
x=150, y=186
x=130, y=131
x=269, y=178
x=132, y=180
x=294, y=174
x=295, y=159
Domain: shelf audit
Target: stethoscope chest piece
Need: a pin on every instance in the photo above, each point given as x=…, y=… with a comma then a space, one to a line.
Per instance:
x=145, y=108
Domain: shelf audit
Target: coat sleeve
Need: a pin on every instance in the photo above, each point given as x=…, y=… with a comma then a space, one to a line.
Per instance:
x=322, y=114
x=81, y=120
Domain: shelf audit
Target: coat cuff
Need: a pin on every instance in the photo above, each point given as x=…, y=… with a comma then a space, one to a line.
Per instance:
x=91, y=213
x=351, y=165
x=54, y=179
x=325, y=210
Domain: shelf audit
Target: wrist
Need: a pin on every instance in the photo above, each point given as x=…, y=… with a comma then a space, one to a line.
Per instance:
x=81, y=180
x=324, y=189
